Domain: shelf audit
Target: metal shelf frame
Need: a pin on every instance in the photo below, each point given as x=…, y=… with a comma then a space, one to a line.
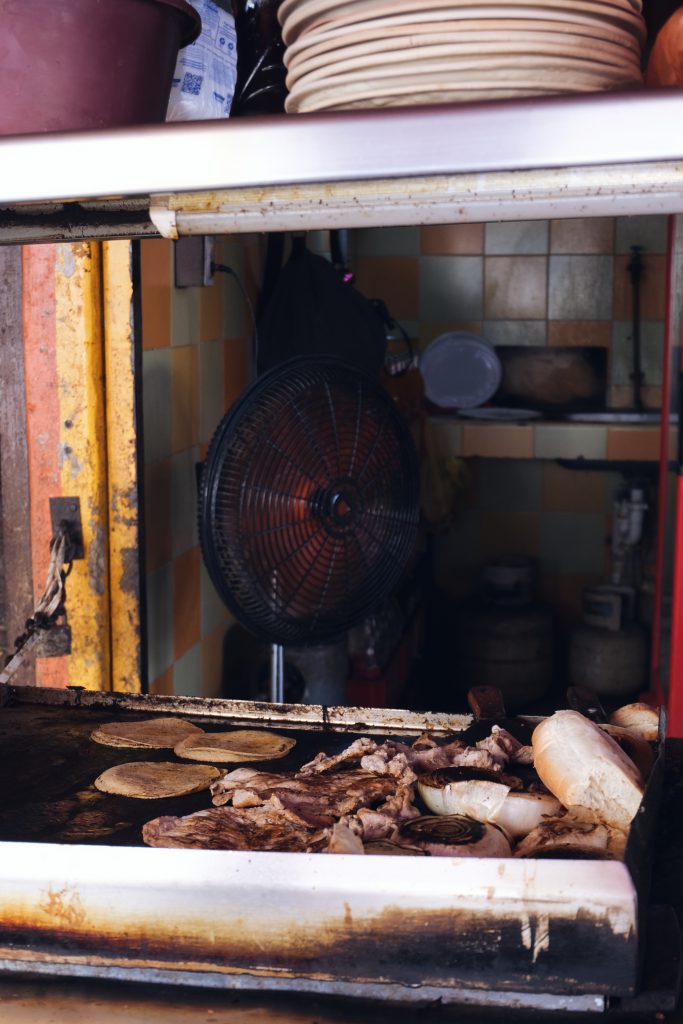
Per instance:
x=558, y=156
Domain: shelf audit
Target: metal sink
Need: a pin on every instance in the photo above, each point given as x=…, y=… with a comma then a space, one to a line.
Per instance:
x=620, y=416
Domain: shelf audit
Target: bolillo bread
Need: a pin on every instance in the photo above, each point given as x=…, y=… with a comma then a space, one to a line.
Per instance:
x=583, y=766
x=633, y=746
x=640, y=720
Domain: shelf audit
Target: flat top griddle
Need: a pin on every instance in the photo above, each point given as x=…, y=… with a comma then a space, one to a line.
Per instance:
x=48, y=765
x=72, y=901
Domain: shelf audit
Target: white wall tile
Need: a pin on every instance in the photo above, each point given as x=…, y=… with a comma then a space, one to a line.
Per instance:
x=516, y=238
x=649, y=232
x=187, y=674
x=580, y=288
x=651, y=351
x=451, y=287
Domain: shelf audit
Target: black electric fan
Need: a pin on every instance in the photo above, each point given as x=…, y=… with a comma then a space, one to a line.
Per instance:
x=308, y=504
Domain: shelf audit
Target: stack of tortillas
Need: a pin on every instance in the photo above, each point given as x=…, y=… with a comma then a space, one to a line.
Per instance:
x=154, y=779
x=236, y=746
x=345, y=54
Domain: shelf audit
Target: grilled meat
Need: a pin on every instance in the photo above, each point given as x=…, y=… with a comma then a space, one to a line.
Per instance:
x=226, y=828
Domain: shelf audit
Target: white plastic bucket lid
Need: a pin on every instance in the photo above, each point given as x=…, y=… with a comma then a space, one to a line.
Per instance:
x=460, y=370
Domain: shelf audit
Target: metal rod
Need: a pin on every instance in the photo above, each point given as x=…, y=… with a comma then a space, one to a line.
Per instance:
x=277, y=674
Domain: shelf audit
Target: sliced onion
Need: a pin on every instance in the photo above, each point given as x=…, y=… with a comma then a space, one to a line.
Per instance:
x=523, y=812
x=454, y=835
x=476, y=793
x=486, y=796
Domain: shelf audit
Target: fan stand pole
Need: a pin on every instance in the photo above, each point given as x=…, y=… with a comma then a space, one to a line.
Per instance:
x=277, y=674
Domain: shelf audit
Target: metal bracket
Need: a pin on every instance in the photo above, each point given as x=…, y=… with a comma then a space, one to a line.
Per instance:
x=194, y=261
x=68, y=510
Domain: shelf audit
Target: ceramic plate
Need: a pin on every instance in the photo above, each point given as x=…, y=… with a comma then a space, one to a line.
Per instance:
x=424, y=91
x=445, y=55
x=467, y=73
x=410, y=46
x=484, y=95
x=405, y=26
x=303, y=15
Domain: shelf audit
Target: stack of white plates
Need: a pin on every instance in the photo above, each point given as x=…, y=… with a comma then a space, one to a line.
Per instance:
x=344, y=54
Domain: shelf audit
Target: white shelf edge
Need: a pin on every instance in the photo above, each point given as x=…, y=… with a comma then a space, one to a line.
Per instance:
x=404, y=142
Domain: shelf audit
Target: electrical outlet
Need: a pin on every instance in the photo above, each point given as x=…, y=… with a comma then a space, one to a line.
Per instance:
x=194, y=261
x=68, y=510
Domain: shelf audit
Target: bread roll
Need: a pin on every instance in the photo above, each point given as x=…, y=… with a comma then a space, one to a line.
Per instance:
x=575, y=833
x=633, y=746
x=563, y=832
x=583, y=766
x=640, y=720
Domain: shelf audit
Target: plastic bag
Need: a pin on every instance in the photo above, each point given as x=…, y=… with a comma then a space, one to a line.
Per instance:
x=206, y=71
x=313, y=311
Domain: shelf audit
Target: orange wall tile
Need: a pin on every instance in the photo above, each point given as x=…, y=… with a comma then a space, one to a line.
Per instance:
x=573, y=490
x=211, y=312
x=184, y=398
x=580, y=332
x=155, y=292
x=163, y=684
x=632, y=443
x=235, y=364
x=452, y=240
x=394, y=279
x=652, y=288
x=504, y=442
x=186, y=602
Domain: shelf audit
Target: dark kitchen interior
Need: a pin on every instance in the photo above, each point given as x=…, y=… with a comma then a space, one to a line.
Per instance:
x=423, y=601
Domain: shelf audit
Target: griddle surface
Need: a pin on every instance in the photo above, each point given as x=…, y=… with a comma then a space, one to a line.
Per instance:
x=48, y=765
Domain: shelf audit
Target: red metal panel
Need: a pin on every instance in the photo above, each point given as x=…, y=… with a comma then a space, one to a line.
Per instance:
x=676, y=669
x=656, y=694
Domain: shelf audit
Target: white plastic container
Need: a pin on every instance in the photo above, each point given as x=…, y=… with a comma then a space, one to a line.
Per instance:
x=460, y=370
x=206, y=71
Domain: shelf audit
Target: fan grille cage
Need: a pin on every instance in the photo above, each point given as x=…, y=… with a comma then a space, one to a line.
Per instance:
x=309, y=503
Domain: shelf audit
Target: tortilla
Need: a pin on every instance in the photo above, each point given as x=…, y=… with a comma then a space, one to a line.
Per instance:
x=151, y=780
x=151, y=734
x=236, y=746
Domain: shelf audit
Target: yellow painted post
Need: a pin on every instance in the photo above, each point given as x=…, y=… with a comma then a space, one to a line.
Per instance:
x=124, y=551
x=82, y=454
